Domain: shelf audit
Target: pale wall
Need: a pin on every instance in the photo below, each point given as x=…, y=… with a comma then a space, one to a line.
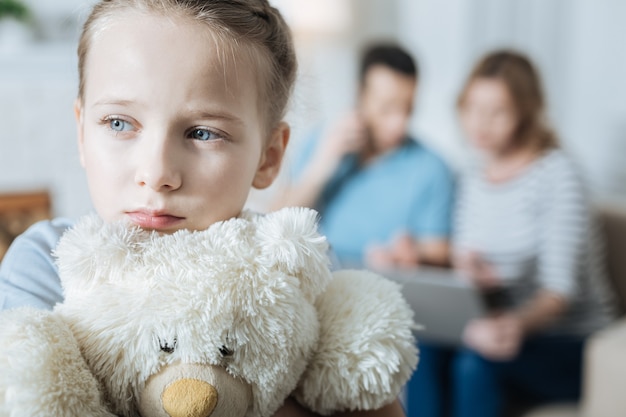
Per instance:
x=576, y=44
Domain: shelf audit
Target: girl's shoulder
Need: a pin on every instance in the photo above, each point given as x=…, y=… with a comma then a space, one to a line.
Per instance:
x=44, y=235
x=48, y=230
x=28, y=273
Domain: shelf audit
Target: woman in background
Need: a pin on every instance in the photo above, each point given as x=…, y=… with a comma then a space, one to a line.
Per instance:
x=524, y=232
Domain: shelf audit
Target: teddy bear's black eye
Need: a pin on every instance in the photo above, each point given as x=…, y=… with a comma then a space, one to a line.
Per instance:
x=166, y=346
x=225, y=352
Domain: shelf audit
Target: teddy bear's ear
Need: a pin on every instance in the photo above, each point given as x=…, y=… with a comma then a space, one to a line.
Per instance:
x=289, y=240
x=93, y=251
x=366, y=351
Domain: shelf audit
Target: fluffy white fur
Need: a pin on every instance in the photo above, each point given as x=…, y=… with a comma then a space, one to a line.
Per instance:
x=365, y=352
x=258, y=286
x=43, y=372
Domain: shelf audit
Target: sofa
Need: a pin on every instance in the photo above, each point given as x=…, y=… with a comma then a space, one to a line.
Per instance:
x=604, y=378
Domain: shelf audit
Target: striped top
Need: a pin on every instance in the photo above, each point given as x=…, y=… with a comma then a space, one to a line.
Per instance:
x=538, y=232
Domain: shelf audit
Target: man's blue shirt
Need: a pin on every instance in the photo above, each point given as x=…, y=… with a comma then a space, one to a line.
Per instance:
x=409, y=190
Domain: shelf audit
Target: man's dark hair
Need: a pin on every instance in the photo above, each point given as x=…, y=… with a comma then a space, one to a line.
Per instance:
x=389, y=55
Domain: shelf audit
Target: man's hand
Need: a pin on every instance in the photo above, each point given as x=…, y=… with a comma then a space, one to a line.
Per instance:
x=348, y=135
x=406, y=252
x=402, y=252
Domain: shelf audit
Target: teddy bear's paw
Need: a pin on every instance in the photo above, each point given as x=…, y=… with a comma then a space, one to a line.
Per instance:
x=366, y=351
x=43, y=373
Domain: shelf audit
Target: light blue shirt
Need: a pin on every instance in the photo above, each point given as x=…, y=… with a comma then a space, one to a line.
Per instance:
x=28, y=273
x=410, y=190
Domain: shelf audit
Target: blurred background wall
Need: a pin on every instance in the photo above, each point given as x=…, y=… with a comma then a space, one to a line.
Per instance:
x=577, y=45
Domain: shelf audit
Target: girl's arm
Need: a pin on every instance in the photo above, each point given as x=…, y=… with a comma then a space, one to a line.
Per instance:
x=28, y=274
x=291, y=408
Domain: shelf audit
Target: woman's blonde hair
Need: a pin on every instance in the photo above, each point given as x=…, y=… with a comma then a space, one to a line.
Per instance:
x=522, y=80
x=248, y=26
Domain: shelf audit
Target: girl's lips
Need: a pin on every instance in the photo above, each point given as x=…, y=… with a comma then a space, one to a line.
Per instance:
x=154, y=221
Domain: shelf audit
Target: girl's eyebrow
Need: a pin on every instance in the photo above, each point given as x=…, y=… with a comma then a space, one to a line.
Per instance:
x=117, y=102
x=203, y=114
x=199, y=114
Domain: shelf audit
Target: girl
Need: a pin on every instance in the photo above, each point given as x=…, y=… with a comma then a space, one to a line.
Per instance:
x=524, y=233
x=179, y=114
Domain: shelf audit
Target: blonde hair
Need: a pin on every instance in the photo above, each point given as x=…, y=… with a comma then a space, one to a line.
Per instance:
x=522, y=80
x=253, y=25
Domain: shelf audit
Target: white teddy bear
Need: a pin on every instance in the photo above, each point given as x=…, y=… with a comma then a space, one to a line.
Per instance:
x=223, y=322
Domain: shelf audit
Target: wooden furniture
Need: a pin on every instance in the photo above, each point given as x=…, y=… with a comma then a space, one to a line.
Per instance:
x=18, y=211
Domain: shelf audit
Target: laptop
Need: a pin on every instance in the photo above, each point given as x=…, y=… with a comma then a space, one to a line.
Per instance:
x=442, y=302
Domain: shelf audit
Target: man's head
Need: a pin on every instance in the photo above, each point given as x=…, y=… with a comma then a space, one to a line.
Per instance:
x=388, y=80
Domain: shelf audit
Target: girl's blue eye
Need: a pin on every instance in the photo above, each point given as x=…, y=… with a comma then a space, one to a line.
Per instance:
x=119, y=125
x=203, y=135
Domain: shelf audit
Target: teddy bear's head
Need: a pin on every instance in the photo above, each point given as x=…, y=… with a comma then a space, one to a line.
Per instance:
x=223, y=319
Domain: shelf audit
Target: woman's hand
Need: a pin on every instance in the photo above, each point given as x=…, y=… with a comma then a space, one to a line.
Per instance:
x=477, y=270
x=498, y=338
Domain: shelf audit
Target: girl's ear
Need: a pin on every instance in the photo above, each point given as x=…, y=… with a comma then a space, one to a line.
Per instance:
x=78, y=114
x=272, y=157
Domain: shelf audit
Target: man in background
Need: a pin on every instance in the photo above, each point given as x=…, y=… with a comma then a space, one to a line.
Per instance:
x=384, y=198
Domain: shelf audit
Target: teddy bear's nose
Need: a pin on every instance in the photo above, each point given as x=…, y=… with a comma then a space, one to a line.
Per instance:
x=189, y=398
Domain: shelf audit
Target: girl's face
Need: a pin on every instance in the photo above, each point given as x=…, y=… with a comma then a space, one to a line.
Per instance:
x=170, y=136
x=488, y=116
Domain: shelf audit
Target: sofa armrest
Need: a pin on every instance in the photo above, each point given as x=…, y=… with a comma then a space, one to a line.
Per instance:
x=605, y=372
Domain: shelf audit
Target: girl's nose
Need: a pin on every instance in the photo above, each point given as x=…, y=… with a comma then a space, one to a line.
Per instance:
x=158, y=166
